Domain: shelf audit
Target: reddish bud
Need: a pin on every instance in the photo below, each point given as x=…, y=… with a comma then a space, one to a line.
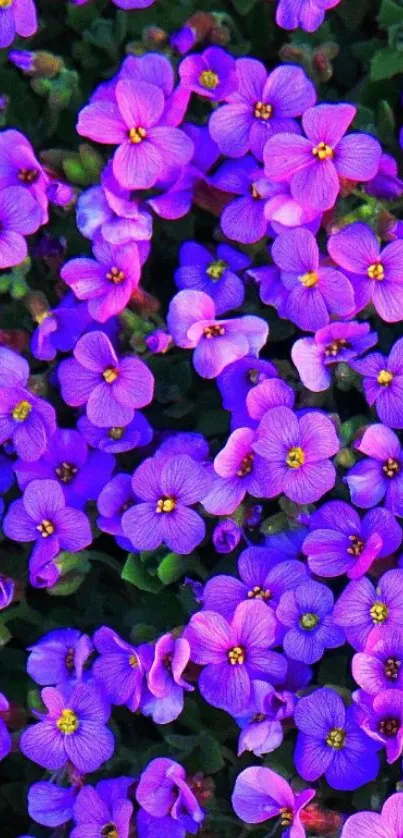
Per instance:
x=16, y=339
x=322, y=821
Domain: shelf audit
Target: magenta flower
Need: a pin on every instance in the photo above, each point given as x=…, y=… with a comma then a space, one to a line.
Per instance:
x=165, y=681
x=305, y=14
x=20, y=167
x=243, y=219
x=5, y=738
x=262, y=106
x=168, y=805
x=380, y=666
x=25, y=419
x=384, y=721
x=147, y=150
x=232, y=653
x=380, y=474
x=371, y=825
x=297, y=451
x=111, y=387
x=315, y=357
x=376, y=275
x=260, y=794
x=211, y=74
x=20, y=215
x=312, y=292
x=17, y=17
x=107, y=281
x=217, y=343
x=313, y=164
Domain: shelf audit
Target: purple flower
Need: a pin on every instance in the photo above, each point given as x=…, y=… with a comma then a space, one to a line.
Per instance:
x=264, y=576
x=107, y=281
x=376, y=275
x=314, y=357
x=168, y=804
x=266, y=395
x=372, y=825
x=17, y=17
x=20, y=215
x=158, y=342
x=111, y=388
x=19, y=167
x=312, y=292
x=297, y=451
x=262, y=732
x=386, y=184
x=260, y=794
x=73, y=729
x=119, y=668
x=232, y=653
x=146, y=149
x=312, y=164
x=216, y=276
x=5, y=738
x=43, y=517
x=49, y=804
x=112, y=215
x=7, y=590
x=262, y=106
x=383, y=383
x=380, y=474
x=365, y=612
x=59, y=329
x=217, y=343
x=306, y=14
x=226, y=536
x=166, y=488
x=116, y=439
x=165, y=681
x=105, y=809
x=339, y=542
x=330, y=742
x=211, y=74
x=243, y=219
x=379, y=666
x=127, y=5
x=235, y=382
x=115, y=498
x=25, y=419
x=383, y=722
x=306, y=612
x=185, y=442
x=81, y=473
x=58, y=657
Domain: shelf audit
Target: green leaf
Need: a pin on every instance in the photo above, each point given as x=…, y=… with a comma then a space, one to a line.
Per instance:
x=386, y=63
x=243, y=6
x=390, y=13
x=135, y=573
x=172, y=568
x=211, y=758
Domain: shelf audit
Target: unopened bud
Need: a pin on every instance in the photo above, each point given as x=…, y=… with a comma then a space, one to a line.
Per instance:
x=154, y=36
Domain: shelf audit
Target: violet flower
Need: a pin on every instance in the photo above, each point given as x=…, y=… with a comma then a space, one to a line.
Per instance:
x=25, y=418
x=165, y=682
x=312, y=292
x=20, y=167
x=17, y=17
x=226, y=536
x=105, y=807
x=166, y=488
x=384, y=721
x=339, y=542
x=59, y=657
x=380, y=474
x=50, y=804
x=235, y=382
x=116, y=439
x=306, y=612
x=211, y=74
x=315, y=357
x=366, y=612
x=115, y=498
x=193, y=325
x=305, y=14
x=243, y=219
x=261, y=732
x=215, y=275
x=20, y=215
x=260, y=794
x=5, y=738
x=110, y=387
x=297, y=451
x=386, y=184
x=383, y=383
x=232, y=653
x=73, y=729
x=379, y=666
x=312, y=164
x=372, y=825
x=376, y=275
x=262, y=105
x=60, y=328
x=119, y=668
x=330, y=742
x=168, y=804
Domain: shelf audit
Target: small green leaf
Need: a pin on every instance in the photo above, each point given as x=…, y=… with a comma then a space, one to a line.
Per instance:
x=172, y=568
x=135, y=573
x=243, y=6
x=211, y=758
x=386, y=63
x=390, y=13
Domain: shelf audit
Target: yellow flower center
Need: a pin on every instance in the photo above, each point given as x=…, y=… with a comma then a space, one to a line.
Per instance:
x=309, y=280
x=335, y=346
x=5, y=4
x=209, y=79
x=133, y=661
x=391, y=668
x=391, y=468
x=115, y=275
x=109, y=831
x=357, y=545
x=323, y=151
x=66, y=472
x=236, y=655
x=213, y=332
x=295, y=457
x=165, y=505
x=246, y=465
x=21, y=411
x=41, y=316
x=216, y=269
x=263, y=111
x=27, y=175
x=286, y=816
x=258, y=593
x=110, y=374
x=309, y=621
x=116, y=433
x=379, y=612
x=137, y=135
x=67, y=722
x=376, y=271
x=45, y=528
x=385, y=378
x=336, y=738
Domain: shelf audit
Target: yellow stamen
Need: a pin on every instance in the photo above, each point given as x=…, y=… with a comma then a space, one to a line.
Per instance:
x=133, y=661
x=295, y=457
x=246, y=465
x=323, y=151
x=26, y=175
x=357, y=545
x=379, y=612
x=216, y=269
x=110, y=374
x=21, y=411
x=335, y=346
x=391, y=668
x=385, y=378
x=255, y=193
x=45, y=528
x=109, y=831
x=263, y=111
x=286, y=816
x=66, y=472
x=309, y=621
x=376, y=271
x=115, y=275
x=165, y=505
x=258, y=593
x=137, y=135
x=67, y=722
x=116, y=433
x=309, y=280
x=236, y=655
x=391, y=468
x=209, y=79
x=213, y=332
x=336, y=738
x=5, y=4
